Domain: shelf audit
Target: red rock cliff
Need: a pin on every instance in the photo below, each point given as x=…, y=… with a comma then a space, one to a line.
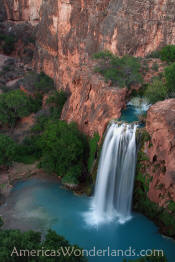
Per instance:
x=71, y=31
x=161, y=126
x=22, y=10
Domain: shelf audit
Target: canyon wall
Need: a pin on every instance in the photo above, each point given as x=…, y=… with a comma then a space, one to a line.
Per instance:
x=22, y=10
x=160, y=125
x=70, y=32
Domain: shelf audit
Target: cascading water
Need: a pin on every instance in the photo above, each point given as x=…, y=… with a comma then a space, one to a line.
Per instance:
x=115, y=176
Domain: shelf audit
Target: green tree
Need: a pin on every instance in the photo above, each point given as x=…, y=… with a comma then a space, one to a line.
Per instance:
x=168, y=53
x=157, y=91
x=123, y=71
x=15, y=105
x=63, y=150
x=170, y=80
x=56, y=102
x=31, y=240
x=7, y=150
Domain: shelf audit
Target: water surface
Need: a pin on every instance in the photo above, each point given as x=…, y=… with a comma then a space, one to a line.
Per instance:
x=40, y=204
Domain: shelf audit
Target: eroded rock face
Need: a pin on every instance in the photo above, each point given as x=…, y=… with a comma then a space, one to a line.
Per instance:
x=70, y=32
x=161, y=126
x=23, y=10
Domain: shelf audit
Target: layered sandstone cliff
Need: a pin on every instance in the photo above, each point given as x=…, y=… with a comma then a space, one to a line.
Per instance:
x=161, y=126
x=70, y=32
x=22, y=10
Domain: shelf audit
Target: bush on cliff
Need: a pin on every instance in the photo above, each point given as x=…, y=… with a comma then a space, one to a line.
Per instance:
x=167, y=53
x=156, y=91
x=123, y=71
x=7, y=150
x=64, y=150
x=8, y=43
x=56, y=102
x=30, y=240
x=170, y=80
x=15, y=105
x=93, y=145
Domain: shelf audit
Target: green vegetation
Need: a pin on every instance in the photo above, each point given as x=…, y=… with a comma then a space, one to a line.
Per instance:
x=63, y=150
x=93, y=146
x=167, y=53
x=43, y=83
x=8, y=43
x=149, y=259
x=164, y=218
x=155, y=67
x=15, y=105
x=56, y=102
x=170, y=80
x=123, y=71
x=7, y=150
x=1, y=221
x=156, y=91
x=31, y=240
x=28, y=151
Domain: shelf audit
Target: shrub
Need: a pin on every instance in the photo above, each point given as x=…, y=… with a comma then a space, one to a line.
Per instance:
x=63, y=149
x=31, y=240
x=168, y=53
x=7, y=150
x=15, y=105
x=8, y=43
x=170, y=80
x=44, y=83
x=123, y=71
x=155, y=67
x=154, y=54
x=93, y=145
x=28, y=151
x=156, y=91
x=56, y=103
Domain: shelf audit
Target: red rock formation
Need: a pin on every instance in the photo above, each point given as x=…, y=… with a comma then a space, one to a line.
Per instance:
x=70, y=32
x=161, y=126
x=23, y=10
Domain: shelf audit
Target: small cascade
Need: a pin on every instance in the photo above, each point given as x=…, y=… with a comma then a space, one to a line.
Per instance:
x=141, y=105
x=115, y=176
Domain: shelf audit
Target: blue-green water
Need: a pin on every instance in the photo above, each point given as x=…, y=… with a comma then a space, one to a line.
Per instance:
x=42, y=203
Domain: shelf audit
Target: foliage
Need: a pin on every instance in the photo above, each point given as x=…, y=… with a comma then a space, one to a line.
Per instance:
x=152, y=258
x=1, y=221
x=154, y=54
x=28, y=151
x=170, y=80
x=15, y=105
x=7, y=150
x=93, y=145
x=123, y=71
x=8, y=43
x=156, y=91
x=168, y=53
x=155, y=67
x=31, y=240
x=44, y=83
x=56, y=103
x=63, y=149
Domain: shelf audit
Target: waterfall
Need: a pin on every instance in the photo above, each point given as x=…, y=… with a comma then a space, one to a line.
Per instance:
x=115, y=176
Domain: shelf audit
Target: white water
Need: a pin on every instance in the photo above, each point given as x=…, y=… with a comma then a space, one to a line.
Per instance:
x=141, y=104
x=115, y=176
